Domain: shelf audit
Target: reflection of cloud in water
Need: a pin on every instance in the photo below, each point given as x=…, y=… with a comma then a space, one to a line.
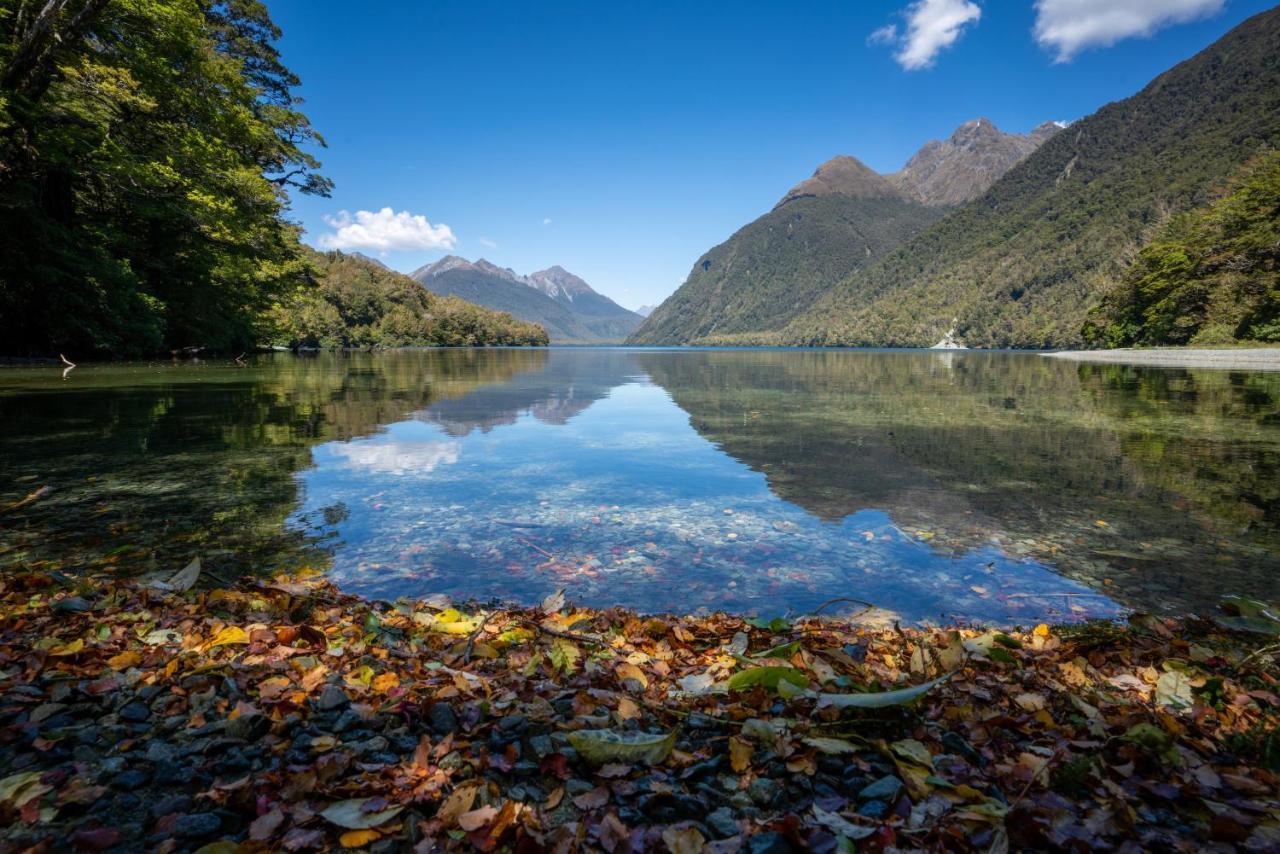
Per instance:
x=399, y=458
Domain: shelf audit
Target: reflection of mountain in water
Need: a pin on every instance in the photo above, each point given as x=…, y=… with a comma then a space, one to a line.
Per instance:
x=565, y=383
x=1136, y=481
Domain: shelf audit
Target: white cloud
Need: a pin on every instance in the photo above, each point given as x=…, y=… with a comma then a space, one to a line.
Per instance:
x=1070, y=26
x=546, y=220
x=888, y=34
x=932, y=26
x=385, y=231
x=487, y=243
x=398, y=458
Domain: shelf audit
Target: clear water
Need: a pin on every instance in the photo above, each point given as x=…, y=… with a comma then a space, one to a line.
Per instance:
x=998, y=487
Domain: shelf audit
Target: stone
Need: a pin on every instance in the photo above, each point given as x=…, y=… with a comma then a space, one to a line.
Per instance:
x=249, y=727
x=769, y=842
x=197, y=825
x=134, y=778
x=332, y=698
x=135, y=712
x=442, y=718
x=884, y=789
x=722, y=823
x=873, y=809
x=763, y=791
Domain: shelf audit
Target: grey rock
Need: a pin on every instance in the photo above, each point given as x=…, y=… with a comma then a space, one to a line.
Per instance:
x=769, y=843
x=135, y=712
x=763, y=791
x=884, y=789
x=248, y=727
x=722, y=823
x=332, y=698
x=442, y=718
x=197, y=825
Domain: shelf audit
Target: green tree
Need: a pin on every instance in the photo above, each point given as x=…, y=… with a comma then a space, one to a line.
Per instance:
x=147, y=149
x=1209, y=276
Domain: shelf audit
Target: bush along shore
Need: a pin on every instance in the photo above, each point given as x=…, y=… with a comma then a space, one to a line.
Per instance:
x=284, y=715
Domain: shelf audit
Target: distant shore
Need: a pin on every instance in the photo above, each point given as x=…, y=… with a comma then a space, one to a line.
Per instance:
x=1253, y=359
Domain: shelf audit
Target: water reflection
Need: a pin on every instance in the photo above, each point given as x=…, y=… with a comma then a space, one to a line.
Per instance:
x=988, y=486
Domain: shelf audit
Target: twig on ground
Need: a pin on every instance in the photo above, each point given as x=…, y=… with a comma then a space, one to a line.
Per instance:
x=548, y=555
x=558, y=633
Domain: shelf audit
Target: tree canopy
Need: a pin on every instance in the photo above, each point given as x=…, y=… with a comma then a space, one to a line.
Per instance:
x=356, y=302
x=147, y=149
x=1209, y=276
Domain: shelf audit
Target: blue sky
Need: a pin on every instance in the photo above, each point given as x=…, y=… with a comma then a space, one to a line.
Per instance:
x=622, y=140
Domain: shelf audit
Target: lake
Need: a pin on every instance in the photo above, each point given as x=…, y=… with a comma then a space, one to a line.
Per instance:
x=938, y=486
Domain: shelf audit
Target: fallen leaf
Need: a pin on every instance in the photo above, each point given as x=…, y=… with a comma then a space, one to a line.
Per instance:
x=602, y=746
x=351, y=814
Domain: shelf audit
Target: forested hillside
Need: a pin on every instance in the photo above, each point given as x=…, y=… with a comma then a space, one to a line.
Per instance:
x=1211, y=275
x=846, y=216
x=773, y=268
x=147, y=154
x=355, y=301
x=502, y=294
x=1021, y=265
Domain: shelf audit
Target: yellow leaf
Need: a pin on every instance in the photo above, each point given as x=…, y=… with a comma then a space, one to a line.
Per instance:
x=360, y=677
x=384, y=682
x=626, y=670
x=322, y=743
x=358, y=838
x=1042, y=630
x=230, y=635
x=124, y=660
x=72, y=648
x=740, y=751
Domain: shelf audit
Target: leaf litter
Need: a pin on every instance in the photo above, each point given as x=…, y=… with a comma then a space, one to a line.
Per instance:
x=286, y=715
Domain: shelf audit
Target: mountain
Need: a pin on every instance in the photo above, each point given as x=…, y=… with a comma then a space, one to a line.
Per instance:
x=962, y=167
x=1021, y=265
x=607, y=320
x=368, y=258
x=842, y=218
x=356, y=301
x=645, y=310
x=565, y=305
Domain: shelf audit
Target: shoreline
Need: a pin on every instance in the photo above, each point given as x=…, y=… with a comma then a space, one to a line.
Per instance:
x=284, y=714
x=1250, y=359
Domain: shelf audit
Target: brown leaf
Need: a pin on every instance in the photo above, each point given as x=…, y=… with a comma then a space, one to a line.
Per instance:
x=476, y=819
x=597, y=797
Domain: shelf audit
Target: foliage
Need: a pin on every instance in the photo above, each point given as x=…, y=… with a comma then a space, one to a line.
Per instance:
x=356, y=302
x=1210, y=276
x=284, y=715
x=1021, y=265
x=146, y=151
x=777, y=266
